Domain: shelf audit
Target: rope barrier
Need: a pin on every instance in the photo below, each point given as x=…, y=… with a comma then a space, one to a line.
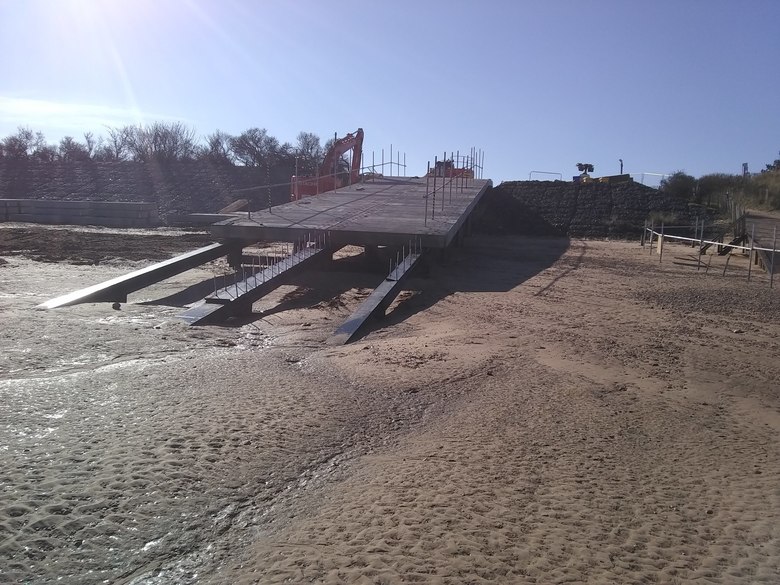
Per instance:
x=711, y=243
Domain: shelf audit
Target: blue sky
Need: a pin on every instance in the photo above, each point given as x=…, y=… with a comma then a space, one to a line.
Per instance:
x=537, y=85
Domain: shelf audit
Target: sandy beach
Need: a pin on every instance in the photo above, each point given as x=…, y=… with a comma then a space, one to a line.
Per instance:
x=531, y=411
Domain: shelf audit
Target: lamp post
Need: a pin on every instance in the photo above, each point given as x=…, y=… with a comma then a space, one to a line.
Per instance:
x=621, y=165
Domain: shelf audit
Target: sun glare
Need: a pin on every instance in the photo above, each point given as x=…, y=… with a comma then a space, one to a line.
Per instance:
x=114, y=13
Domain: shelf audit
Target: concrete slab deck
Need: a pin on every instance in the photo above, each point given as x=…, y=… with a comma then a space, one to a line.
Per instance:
x=390, y=211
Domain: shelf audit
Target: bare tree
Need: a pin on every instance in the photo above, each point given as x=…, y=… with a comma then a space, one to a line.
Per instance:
x=218, y=148
x=166, y=142
x=285, y=154
x=308, y=151
x=91, y=143
x=163, y=142
x=117, y=146
x=26, y=145
x=19, y=146
x=254, y=147
x=248, y=146
x=45, y=153
x=70, y=150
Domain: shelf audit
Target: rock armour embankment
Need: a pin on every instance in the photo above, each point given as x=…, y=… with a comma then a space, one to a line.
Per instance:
x=580, y=210
x=176, y=188
x=514, y=207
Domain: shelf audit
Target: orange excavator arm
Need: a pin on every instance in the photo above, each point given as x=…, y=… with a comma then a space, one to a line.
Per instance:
x=340, y=146
x=327, y=180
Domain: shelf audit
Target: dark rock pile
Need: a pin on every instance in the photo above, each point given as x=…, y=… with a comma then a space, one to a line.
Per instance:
x=176, y=188
x=580, y=210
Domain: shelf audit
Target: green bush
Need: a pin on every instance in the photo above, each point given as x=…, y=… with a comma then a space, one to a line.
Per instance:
x=765, y=190
x=679, y=184
x=759, y=191
x=710, y=189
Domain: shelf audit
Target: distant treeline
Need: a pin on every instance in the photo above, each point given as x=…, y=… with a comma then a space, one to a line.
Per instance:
x=167, y=142
x=757, y=190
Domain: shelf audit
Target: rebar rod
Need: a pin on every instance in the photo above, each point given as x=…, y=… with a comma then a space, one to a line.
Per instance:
x=452, y=175
x=427, y=181
x=444, y=178
x=435, y=172
x=268, y=182
x=772, y=262
x=750, y=254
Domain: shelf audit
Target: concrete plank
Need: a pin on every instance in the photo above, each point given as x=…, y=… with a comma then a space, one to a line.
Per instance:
x=237, y=298
x=376, y=303
x=118, y=288
x=390, y=211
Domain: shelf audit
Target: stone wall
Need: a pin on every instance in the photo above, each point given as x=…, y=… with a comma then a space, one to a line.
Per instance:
x=580, y=210
x=104, y=213
x=174, y=188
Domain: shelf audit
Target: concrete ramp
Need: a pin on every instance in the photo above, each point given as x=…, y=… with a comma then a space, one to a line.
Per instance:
x=117, y=289
x=237, y=298
x=377, y=302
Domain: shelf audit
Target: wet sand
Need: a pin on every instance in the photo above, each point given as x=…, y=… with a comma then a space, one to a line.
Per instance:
x=534, y=411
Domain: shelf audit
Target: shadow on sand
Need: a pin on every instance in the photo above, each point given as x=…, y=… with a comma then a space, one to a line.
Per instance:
x=484, y=264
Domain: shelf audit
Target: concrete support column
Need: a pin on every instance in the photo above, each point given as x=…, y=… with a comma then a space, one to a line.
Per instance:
x=235, y=256
x=371, y=254
x=326, y=261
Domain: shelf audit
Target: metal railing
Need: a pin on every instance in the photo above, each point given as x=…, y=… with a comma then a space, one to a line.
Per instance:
x=560, y=175
x=699, y=241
